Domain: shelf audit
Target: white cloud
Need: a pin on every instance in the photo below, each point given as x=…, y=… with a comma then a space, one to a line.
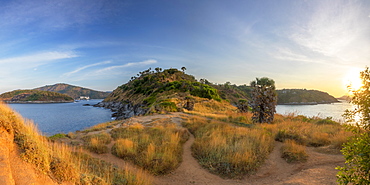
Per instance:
x=38, y=58
x=336, y=29
x=85, y=67
x=146, y=62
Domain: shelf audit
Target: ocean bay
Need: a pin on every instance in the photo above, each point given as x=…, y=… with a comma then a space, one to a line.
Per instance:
x=55, y=118
x=333, y=110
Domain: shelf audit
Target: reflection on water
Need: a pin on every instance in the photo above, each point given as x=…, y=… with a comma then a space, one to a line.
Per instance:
x=334, y=110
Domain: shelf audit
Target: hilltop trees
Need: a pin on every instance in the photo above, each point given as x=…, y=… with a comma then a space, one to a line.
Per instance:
x=263, y=100
x=357, y=150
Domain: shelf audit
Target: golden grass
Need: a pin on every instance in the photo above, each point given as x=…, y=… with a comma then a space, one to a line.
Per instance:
x=293, y=152
x=157, y=149
x=102, y=126
x=97, y=143
x=61, y=162
x=227, y=150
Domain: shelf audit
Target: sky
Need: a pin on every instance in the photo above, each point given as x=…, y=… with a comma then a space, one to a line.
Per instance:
x=100, y=44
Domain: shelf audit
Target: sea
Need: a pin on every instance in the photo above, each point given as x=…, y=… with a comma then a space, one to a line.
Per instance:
x=69, y=117
x=333, y=111
x=53, y=118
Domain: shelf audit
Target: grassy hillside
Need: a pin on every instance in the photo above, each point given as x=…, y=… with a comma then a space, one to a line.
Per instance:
x=167, y=90
x=303, y=96
x=61, y=162
x=74, y=91
x=34, y=95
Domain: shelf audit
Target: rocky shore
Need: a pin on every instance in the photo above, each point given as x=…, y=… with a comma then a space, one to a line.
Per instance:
x=123, y=110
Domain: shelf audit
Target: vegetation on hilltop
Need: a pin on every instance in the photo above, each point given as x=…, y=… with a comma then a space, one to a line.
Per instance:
x=166, y=90
x=34, y=95
x=74, y=91
x=303, y=96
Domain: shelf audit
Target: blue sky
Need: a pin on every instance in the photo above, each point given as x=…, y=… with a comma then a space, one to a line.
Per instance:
x=100, y=44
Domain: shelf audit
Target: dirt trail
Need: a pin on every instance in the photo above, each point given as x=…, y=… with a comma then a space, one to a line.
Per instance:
x=319, y=169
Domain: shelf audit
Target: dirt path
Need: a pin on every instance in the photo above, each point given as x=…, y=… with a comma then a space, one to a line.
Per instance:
x=189, y=172
x=319, y=169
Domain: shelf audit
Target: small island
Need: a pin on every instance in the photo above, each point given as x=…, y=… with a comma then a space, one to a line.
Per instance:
x=34, y=96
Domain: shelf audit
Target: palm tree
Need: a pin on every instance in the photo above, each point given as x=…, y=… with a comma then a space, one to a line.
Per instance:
x=183, y=69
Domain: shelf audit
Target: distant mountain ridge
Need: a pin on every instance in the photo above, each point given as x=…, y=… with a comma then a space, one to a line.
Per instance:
x=34, y=96
x=74, y=91
x=303, y=97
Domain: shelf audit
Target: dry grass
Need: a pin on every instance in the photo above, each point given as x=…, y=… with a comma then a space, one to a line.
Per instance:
x=97, y=143
x=227, y=150
x=61, y=162
x=157, y=149
x=102, y=126
x=308, y=131
x=293, y=152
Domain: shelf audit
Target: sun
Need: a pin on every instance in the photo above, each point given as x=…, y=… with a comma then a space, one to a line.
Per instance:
x=352, y=79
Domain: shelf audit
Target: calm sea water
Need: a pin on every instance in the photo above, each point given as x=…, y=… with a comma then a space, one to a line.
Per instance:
x=334, y=110
x=63, y=117
x=70, y=117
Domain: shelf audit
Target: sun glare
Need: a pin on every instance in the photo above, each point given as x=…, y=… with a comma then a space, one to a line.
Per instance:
x=352, y=79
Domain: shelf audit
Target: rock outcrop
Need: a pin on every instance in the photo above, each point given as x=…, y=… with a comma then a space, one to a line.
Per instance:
x=124, y=110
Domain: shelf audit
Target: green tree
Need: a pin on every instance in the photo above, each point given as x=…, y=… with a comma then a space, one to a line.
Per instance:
x=357, y=150
x=264, y=100
x=242, y=105
x=183, y=69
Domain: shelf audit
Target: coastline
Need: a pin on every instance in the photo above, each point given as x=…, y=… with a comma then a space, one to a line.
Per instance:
x=36, y=102
x=308, y=103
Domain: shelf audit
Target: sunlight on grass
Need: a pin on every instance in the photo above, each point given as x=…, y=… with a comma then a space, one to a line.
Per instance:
x=61, y=162
x=157, y=149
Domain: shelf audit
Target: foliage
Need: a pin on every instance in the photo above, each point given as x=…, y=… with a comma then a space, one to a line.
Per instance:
x=243, y=105
x=357, y=150
x=151, y=89
x=263, y=101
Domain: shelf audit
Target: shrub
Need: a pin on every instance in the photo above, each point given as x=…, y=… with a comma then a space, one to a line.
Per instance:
x=284, y=134
x=157, y=149
x=97, y=143
x=227, y=150
x=293, y=152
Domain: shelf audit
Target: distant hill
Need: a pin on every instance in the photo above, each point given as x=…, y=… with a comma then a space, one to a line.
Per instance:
x=74, y=91
x=303, y=96
x=24, y=96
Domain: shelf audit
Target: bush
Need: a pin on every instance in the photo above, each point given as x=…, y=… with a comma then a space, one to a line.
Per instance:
x=97, y=143
x=293, y=152
x=227, y=150
x=357, y=154
x=284, y=134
